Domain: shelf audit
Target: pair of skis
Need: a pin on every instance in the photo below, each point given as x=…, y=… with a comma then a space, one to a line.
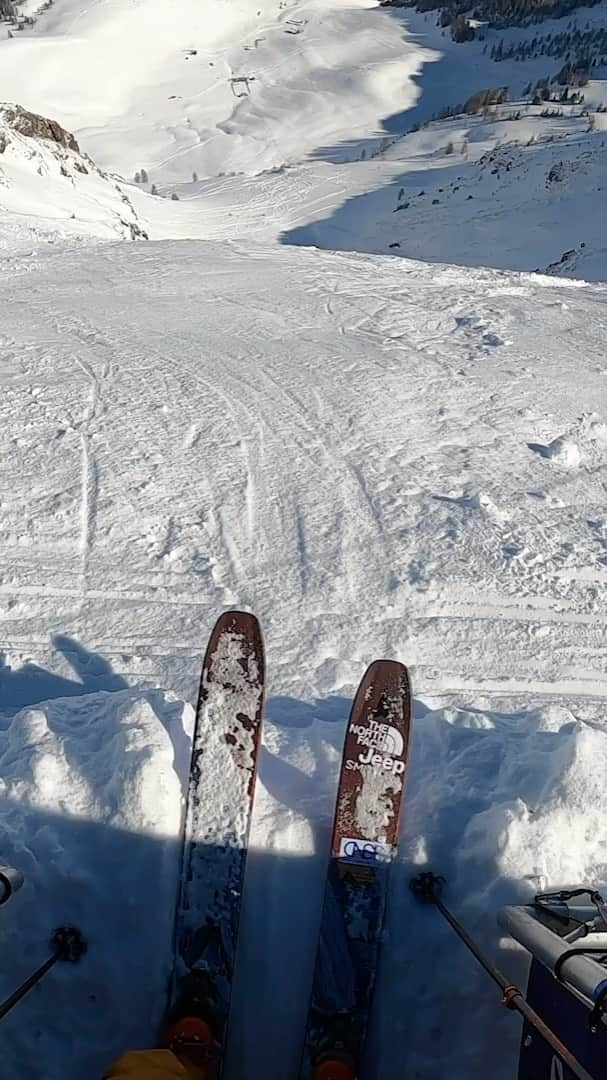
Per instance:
x=218, y=813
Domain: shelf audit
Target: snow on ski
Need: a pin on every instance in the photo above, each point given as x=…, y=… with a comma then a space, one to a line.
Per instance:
x=217, y=819
x=365, y=835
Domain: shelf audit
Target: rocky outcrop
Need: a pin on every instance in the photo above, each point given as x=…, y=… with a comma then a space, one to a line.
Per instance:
x=37, y=127
x=68, y=197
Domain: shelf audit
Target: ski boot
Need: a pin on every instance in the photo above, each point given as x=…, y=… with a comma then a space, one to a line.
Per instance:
x=335, y=1049
x=191, y=1037
x=191, y=1033
x=333, y=1067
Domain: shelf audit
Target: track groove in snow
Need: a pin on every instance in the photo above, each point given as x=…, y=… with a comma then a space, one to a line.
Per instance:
x=356, y=468
x=306, y=464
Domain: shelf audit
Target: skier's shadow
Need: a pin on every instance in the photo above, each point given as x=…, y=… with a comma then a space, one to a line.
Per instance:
x=292, y=713
x=327, y=717
x=31, y=684
x=458, y=1014
x=118, y=887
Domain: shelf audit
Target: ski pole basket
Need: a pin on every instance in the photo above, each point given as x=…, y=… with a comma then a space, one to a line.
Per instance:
x=68, y=946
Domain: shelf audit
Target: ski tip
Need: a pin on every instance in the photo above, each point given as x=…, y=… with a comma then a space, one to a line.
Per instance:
x=236, y=619
x=384, y=676
x=244, y=625
x=387, y=668
x=333, y=1068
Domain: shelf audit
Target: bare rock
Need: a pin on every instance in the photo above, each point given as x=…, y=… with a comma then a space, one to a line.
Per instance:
x=34, y=126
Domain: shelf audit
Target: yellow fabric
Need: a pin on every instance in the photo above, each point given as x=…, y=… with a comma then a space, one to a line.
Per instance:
x=151, y=1065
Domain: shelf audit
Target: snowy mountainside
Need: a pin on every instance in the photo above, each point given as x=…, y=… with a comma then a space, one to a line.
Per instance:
x=48, y=188
x=215, y=89
x=510, y=193
x=291, y=122
x=380, y=456
x=397, y=459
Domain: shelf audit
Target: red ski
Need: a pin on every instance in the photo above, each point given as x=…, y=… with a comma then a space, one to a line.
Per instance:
x=364, y=841
x=218, y=815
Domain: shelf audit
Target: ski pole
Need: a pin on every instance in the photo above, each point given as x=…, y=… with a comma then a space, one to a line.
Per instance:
x=427, y=887
x=68, y=945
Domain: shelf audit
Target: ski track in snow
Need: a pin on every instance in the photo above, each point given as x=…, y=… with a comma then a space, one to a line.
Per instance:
x=380, y=457
x=357, y=465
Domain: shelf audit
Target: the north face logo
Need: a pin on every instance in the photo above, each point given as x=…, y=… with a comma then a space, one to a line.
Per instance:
x=382, y=737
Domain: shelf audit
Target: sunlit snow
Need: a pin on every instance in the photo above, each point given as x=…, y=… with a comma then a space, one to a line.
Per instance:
x=382, y=451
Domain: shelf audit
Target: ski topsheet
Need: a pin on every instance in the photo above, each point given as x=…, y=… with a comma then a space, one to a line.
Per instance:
x=365, y=836
x=217, y=818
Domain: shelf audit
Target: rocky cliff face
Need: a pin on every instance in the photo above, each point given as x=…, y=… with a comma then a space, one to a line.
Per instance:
x=37, y=127
x=51, y=189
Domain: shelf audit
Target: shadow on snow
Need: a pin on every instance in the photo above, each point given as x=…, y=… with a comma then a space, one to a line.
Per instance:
x=381, y=219
x=31, y=684
x=120, y=887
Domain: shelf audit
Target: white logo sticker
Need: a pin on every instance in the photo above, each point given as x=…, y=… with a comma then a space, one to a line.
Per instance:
x=378, y=762
x=364, y=851
x=379, y=736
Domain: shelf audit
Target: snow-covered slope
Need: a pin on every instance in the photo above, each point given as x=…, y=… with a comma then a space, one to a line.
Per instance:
x=290, y=121
x=515, y=194
x=380, y=457
x=211, y=88
x=50, y=190
x=519, y=194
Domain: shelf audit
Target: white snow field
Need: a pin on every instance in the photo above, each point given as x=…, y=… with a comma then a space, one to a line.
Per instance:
x=377, y=455
x=257, y=116
x=211, y=88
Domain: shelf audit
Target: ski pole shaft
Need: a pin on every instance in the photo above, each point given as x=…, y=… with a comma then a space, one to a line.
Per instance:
x=493, y=972
x=426, y=887
x=21, y=991
x=68, y=944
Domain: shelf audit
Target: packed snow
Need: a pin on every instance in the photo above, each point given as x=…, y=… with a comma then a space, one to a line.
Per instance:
x=90, y=814
x=380, y=456
x=371, y=466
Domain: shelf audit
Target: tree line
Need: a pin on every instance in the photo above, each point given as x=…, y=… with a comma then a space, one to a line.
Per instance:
x=497, y=14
